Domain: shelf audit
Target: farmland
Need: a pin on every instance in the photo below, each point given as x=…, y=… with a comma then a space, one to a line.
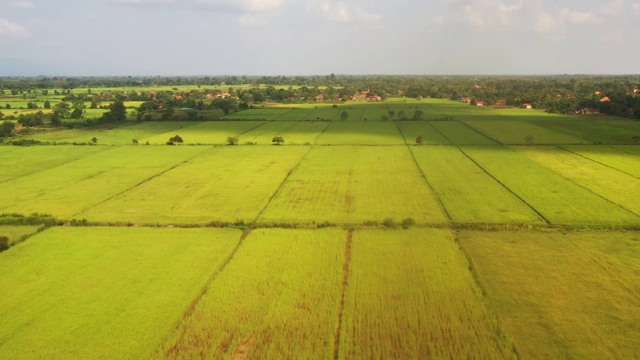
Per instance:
x=507, y=233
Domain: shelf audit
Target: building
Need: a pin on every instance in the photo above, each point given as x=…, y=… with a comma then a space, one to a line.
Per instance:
x=605, y=99
x=527, y=106
x=466, y=100
x=501, y=102
x=479, y=103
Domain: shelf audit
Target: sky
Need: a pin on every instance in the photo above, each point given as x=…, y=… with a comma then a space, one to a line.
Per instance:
x=318, y=37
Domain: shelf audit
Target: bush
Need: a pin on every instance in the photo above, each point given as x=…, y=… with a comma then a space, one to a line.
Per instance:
x=388, y=223
x=407, y=223
x=175, y=139
x=232, y=140
x=4, y=243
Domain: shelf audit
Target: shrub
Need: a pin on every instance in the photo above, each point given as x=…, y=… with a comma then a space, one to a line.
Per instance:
x=4, y=243
x=175, y=139
x=232, y=140
x=388, y=223
x=407, y=223
x=277, y=140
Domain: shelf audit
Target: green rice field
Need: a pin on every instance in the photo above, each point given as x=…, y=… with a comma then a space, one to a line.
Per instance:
x=506, y=234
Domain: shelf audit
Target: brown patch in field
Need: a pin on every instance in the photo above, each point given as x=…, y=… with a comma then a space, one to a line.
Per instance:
x=243, y=350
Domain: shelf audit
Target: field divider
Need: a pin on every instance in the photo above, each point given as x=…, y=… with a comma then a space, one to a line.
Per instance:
x=433, y=190
x=142, y=182
x=485, y=296
x=596, y=161
x=480, y=132
x=315, y=141
x=253, y=128
x=506, y=187
x=191, y=308
x=284, y=181
x=578, y=185
x=345, y=283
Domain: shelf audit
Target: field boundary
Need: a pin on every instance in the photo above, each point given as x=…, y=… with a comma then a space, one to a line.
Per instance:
x=485, y=296
x=345, y=283
x=284, y=181
x=506, y=187
x=480, y=132
x=433, y=191
x=598, y=162
x=578, y=185
x=141, y=182
x=315, y=141
x=191, y=308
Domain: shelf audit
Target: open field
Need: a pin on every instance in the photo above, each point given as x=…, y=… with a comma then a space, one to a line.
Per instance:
x=468, y=193
x=295, y=251
x=410, y=295
x=511, y=132
x=108, y=135
x=349, y=184
x=277, y=298
x=65, y=299
x=562, y=295
x=79, y=185
x=16, y=232
x=555, y=197
x=353, y=133
x=221, y=184
x=613, y=185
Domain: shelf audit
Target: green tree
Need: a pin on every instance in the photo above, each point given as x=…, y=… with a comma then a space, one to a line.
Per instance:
x=419, y=140
x=344, y=115
x=7, y=128
x=232, y=140
x=47, y=104
x=417, y=115
x=94, y=140
x=277, y=140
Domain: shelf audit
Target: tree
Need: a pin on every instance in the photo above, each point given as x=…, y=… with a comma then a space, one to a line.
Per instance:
x=94, y=140
x=232, y=140
x=392, y=114
x=176, y=139
x=118, y=111
x=7, y=128
x=47, y=104
x=344, y=115
x=55, y=119
x=277, y=140
x=417, y=115
x=419, y=140
x=135, y=141
x=4, y=243
x=636, y=139
x=529, y=139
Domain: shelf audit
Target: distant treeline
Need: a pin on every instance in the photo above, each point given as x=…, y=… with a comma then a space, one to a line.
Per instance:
x=559, y=94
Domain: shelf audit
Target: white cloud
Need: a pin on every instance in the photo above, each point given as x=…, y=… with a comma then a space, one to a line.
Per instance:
x=244, y=6
x=252, y=20
x=545, y=23
x=573, y=17
x=613, y=8
x=21, y=5
x=340, y=11
x=10, y=32
x=612, y=37
x=635, y=8
x=489, y=14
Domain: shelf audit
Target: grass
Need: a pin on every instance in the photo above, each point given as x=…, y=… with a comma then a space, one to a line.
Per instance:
x=410, y=295
x=618, y=158
x=16, y=232
x=75, y=186
x=598, y=130
x=221, y=184
x=349, y=184
x=562, y=295
x=613, y=185
x=111, y=134
x=516, y=133
x=558, y=199
x=278, y=298
x=360, y=133
x=95, y=293
x=209, y=132
x=430, y=136
x=21, y=161
x=468, y=193
x=460, y=134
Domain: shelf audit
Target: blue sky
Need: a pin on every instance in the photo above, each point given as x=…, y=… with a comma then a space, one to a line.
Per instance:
x=302, y=37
